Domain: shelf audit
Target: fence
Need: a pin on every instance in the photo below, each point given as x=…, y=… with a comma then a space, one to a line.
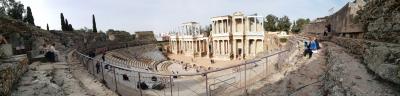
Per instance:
x=128, y=80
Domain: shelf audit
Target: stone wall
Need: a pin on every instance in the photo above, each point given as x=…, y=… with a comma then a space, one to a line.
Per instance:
x=271, y=41
x=384, y=59
x=342, y=21
x=354, y=46
x=314, y=27
x=381, y=19
x=145, y=35
x=10, y=71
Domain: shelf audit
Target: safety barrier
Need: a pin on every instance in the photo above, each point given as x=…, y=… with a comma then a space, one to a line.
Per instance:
x=126, y=79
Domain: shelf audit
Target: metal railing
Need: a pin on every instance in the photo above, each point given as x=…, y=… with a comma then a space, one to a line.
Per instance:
x=234, y=79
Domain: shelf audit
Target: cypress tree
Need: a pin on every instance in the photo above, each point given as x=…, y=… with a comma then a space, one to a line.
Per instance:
x=29, y=16
x=47, y=27
x=66, y=25
x=62, y=22
x=70, y=27
x=94, y=24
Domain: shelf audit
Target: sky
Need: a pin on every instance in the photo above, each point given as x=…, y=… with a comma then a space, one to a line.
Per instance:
x=161, y=16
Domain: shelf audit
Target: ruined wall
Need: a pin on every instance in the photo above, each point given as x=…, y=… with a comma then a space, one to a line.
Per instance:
x=271, y=41
x=314, y=27
x=354, y=46
x=381, y=18
x=341, y=21
x=145, y=35
x=344, y=19
x=11, y=69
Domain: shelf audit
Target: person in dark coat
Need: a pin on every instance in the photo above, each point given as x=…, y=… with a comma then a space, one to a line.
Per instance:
x=98, y=67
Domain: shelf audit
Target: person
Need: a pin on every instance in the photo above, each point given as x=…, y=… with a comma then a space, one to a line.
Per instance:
x=49, y=54
x=54, y=53
x=307, y=50
x=92, y=54
x=186, y=68
x=46, y=52
x=104, y=56
x=3, y=40
x=312, y=46
x=98, y=67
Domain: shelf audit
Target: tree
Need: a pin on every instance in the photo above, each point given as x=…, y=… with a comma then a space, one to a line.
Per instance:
x=284, y=24
x=29, y=16
x=270, y=23
x=94, y=24
x=47, y=27
x=62, y=22
x=70, y=28
x=66, y=25
x=3, y=7
x=15, y=10
x=300, y=24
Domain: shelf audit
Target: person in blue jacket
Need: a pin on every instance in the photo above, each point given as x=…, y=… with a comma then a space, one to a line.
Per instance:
x=312, y=46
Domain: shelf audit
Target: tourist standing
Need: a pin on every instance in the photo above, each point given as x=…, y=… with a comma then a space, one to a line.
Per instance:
x=97, y=67
x=104, y=56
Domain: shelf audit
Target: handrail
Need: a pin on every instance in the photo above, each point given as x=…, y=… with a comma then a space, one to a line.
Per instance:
x=186, y=74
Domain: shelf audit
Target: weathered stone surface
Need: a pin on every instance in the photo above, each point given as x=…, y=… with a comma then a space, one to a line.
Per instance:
x=5, y=50
x=383, y=59
x=354, y=46
x=10, y=71
x=382, y=20
x=348, y=77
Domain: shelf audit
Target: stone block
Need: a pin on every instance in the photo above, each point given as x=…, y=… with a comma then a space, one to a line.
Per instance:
x=6, y=50
x=10, y=72
x=396, y=27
